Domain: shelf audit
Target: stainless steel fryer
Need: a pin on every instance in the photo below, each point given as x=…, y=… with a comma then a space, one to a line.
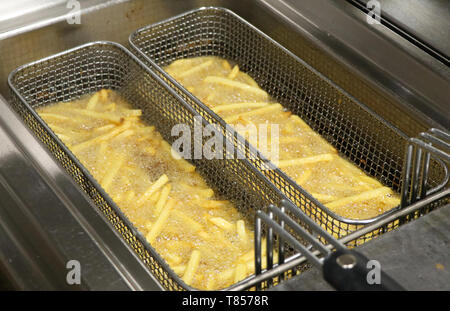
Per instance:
x=46, y=220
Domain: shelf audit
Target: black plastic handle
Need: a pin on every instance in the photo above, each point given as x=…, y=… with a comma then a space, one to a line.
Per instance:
x=348, y=270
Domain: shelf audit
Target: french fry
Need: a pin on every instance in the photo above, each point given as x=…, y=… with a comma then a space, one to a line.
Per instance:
x=192, y=266
x=106, y=127
x=240, y=227
x=210, y=204
x=324, y=198
x=186, y=166
x=132, y=113
x=162, y=198
x=226, y=275
x=298, y=121
x=369, y=180
x=235, y=84
x=124, y=134
x=204, y=193
x=173, y=259
x=249, y=80
x=64, y=138
x=222, y=223
x=103, y=94
x=68, y=132
x=254, y=112
x=93, y=101
x=195, y=69
x=291, y=139
x=48, y=115
x=157, y=227
x=97, y=115
x=154, y=197
x=179, y=269
x=100, y=138
x=153, y=188
x=364, y=196
x=309, y=160
x=226, y=65
x=234, y=72
x=111, y=107
x=114, y=168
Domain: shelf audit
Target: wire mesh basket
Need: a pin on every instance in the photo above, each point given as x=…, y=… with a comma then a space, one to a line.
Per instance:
x=105, y=65
x=352, y=128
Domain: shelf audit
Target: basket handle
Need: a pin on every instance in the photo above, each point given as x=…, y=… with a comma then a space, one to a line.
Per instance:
x=433, y=144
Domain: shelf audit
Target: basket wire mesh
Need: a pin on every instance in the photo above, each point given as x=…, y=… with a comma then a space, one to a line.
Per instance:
x=354, y=130
x=105, y=65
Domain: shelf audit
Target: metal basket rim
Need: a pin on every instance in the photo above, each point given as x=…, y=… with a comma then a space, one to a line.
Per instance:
x=218, y=119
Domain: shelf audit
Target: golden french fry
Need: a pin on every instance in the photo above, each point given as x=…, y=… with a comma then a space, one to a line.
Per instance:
x=162, y=198
x=124, y=134
x=157, y=227
x=114, y=168
x=48, y=115
x=254, y=112
x=222, y=223
x=309, y=160
x=235, y=84
x=240, y=227
x=93, y=101
x=192, y=266
x=226, y=274
x=179, y=269
x=233, y=74
x=211, y=204
x=97, y=115
x=153, y=188
x=364, y=196
x=173, y=259
x=204, y=193
x=324, y=198
x=63, y=137
x=249, y=80
x=105, y=128
x=226, y=65
x=100, y=138
x=195, y=69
